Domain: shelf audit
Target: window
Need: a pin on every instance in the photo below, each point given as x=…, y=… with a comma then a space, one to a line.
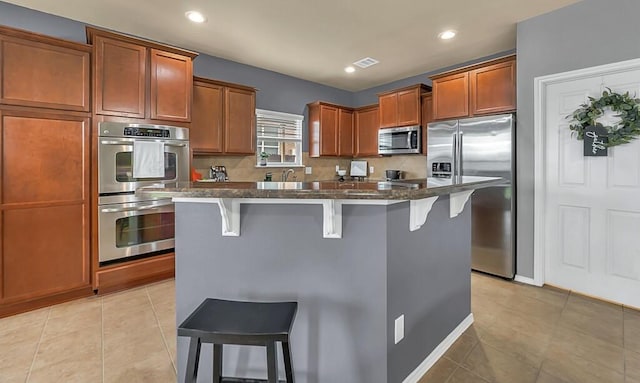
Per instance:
x=279, y=138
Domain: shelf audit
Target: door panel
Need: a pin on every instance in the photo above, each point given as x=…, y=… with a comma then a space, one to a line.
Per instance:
x=121, y=73
x=45, y=250
x=592, y=210
x=345, y=129
x=366, y=132
x=388, y=110
x=409, y=107
x=493, y=88
x=328, y=131
x=44, y=158
x=486, y=146
x=206, y=132
x=441, y=140
x=171, y=86
x=240, y=116
x=451, y=96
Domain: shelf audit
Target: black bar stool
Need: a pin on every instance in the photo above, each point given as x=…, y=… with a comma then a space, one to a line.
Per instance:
x=243, y=323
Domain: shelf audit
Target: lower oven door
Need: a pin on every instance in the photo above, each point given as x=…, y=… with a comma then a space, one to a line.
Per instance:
x=130, y=229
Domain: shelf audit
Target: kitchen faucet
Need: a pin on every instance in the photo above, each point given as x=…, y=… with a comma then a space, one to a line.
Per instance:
x=285, y=174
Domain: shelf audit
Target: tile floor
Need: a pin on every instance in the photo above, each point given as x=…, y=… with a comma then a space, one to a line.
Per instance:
x=521, y=334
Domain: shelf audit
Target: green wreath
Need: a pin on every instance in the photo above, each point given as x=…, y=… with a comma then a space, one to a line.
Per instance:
x=627, y=107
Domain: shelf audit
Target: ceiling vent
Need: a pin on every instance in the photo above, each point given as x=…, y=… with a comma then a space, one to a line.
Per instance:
x=366, y=62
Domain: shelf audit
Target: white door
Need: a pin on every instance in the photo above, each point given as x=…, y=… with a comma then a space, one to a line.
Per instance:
x=592, y=208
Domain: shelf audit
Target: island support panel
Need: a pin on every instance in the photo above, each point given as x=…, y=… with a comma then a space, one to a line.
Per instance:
x=350, y=290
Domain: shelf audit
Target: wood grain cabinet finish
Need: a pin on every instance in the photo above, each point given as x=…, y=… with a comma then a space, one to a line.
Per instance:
x=323, y=129
x=240, y=121
x=401, y=107
x=171, y=86
x=366, y=131
x=345, y=132
x=484, y=88
x=40, y=71
x=493, y=88
x=451, y=96
x=135, y=78
x=207, y=122
x=223, y=118
x=45, y=201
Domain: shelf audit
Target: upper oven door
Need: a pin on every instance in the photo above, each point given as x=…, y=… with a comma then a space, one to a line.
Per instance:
x=115, y=166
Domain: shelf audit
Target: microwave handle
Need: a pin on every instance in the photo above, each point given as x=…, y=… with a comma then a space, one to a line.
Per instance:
x=408, y=140
x=142, y=208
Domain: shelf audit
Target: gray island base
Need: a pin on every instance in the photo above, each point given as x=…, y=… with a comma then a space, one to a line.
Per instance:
x=353, y=291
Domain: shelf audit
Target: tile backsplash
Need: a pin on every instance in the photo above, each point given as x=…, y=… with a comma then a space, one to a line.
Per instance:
x=243, y=168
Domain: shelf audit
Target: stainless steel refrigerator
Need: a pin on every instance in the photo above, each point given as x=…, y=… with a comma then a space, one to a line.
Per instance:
x=481, y=146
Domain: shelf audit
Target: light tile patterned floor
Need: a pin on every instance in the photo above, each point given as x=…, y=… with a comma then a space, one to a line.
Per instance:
x=521, y=334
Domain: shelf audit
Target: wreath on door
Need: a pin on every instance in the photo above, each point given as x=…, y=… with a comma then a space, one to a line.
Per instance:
x=627, y=109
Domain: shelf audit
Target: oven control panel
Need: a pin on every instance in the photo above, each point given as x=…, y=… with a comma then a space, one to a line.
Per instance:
x=147, y=132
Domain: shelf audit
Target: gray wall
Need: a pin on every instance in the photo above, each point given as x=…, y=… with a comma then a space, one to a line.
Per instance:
x=427, y=280
x=586, y=34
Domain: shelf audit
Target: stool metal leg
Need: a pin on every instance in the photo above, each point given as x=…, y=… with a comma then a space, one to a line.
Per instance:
x=192, y=361
x=288, y=367
x=272, y=363
x=217, y=363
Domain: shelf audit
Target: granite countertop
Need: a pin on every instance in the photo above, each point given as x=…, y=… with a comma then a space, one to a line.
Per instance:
x=378, y=190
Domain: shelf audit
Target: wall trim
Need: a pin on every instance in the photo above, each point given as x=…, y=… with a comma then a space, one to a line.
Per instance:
x=439, y=351
x=540, y=85
x=526, y=280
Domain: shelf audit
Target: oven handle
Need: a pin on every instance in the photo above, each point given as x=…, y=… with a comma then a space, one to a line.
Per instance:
x=121, y=209
x=130, y=142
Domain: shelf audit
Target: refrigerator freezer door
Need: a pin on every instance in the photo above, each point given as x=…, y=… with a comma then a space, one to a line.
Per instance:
x=487, y=151
x=486, y=146
x=440, y=148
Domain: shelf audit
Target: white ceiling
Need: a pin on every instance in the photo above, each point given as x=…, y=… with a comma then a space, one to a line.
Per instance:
x=316, y=39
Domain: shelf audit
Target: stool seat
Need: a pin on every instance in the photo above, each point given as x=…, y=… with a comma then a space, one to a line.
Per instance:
x=219, y=322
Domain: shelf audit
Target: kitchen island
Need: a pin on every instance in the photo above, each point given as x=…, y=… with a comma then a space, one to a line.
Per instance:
x=380, y=270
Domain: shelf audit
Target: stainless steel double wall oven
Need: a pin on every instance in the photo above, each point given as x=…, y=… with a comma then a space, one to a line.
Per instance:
x=128, y=225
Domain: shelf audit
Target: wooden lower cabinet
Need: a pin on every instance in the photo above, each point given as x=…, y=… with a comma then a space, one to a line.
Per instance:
x=366, y=127
x=45, y=208
x=129, y=274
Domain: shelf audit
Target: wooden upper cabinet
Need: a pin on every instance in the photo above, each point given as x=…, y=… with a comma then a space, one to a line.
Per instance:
x=207, y=122
x=324, y=119
x=142, y=79
x=485, y=88
x=41, y=71
x=388, y=110
x=451, y=96
x=121, y=72
x=240, y=121
x=493, y=88
x=171, y=86
x=366, y=131
x=401, y=107
x=345, y=132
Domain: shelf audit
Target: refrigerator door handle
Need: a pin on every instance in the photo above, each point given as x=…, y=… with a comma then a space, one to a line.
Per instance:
x=454, y=156
x=459, y=153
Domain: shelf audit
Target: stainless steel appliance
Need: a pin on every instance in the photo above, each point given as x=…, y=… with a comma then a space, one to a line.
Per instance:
x=482, y=146
x=404, y=140
x=128, y=225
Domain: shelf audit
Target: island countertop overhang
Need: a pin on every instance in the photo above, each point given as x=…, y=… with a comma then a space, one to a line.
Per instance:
x=362, y=190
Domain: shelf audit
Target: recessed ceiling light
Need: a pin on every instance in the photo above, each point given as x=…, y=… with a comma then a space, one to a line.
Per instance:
x=446, y=35
x=349, y=69
x=195, y=16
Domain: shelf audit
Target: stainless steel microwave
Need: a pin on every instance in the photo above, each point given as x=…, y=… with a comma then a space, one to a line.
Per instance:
x=405, y=140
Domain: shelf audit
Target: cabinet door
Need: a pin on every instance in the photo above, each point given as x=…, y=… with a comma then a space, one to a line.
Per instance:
x=493, y=88
x=171, y=86
x=45, y=204
x=328, y=131
x=345, y=132
x=206, y=132
x=427, y=117
x=120, y=72
x=240, y=121
x=409, y=107
x=44, y=75
x=388, y=110
x=451, y=96
x=366, y=132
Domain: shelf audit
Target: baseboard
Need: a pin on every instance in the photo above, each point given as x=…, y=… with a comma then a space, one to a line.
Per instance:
x=527, y=280
x=439, y=351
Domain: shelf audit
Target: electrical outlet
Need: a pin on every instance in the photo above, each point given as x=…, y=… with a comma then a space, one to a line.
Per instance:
x=370, y=169
x=399, y=329
x=307, y=170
